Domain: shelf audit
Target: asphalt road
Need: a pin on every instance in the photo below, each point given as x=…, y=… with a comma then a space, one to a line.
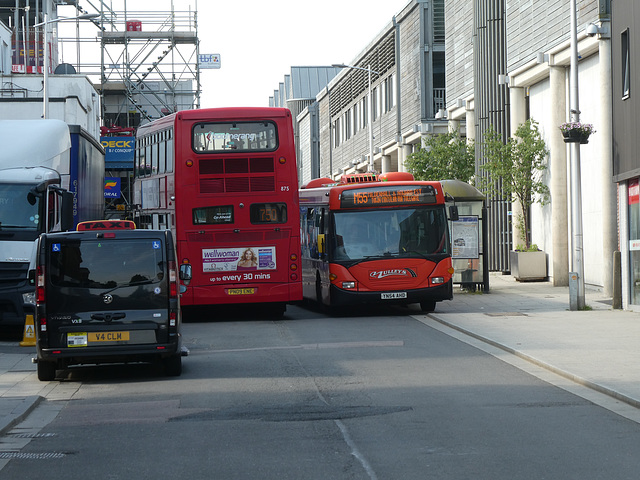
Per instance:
x=371, y=395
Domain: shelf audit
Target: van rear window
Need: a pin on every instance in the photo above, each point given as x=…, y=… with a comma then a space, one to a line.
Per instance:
x=104, y=263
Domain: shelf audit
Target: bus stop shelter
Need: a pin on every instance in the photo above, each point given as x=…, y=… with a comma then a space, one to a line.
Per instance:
x=469, y=235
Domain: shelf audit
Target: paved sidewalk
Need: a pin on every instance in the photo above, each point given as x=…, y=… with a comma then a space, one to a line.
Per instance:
x=19, y=387
x=599, y=348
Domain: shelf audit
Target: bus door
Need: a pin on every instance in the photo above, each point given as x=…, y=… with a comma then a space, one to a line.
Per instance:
x=314, y=249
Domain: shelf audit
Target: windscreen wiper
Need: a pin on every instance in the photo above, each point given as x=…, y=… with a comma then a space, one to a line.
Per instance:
x=420, y=254
x=131, y=284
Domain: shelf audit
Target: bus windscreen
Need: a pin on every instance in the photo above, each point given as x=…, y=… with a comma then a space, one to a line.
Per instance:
x=410, y=232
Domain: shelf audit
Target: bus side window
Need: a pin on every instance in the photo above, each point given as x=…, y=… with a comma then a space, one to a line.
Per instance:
x=321, y=244
x=320, y=231
x=313, y=233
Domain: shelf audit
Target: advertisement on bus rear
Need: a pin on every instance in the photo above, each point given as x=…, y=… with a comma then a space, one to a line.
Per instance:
x=238, y=259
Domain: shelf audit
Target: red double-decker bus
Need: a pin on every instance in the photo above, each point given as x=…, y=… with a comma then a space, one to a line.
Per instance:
x=225, y=181
x=375, y=239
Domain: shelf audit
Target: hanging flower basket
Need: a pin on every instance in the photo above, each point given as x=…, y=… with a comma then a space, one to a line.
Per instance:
x=576, y=132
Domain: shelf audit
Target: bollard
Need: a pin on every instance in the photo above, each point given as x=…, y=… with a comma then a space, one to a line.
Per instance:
x=573, y=291
x=617, y=281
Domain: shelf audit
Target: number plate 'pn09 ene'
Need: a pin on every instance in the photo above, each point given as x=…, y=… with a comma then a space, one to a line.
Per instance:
x=241, y=291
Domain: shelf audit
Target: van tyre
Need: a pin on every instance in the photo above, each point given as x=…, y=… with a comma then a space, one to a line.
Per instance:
x=172, y=366
x=46, y=371
x=318, y=289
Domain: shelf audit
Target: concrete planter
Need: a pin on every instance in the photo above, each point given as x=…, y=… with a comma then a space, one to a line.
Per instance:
x=528, y=266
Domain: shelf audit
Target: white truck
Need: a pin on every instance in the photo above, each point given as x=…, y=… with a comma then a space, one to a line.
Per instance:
x=51, y=178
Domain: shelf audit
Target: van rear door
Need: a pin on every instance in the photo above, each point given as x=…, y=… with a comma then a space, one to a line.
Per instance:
x=107, y=291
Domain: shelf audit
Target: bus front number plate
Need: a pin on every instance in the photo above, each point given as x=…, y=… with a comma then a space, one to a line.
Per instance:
x=393, y=295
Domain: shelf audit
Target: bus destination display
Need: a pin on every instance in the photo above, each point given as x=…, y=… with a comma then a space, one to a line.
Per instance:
x=388, y=196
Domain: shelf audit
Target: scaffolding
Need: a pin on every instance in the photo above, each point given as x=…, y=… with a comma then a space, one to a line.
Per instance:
x=148, y=61
x=148, y=65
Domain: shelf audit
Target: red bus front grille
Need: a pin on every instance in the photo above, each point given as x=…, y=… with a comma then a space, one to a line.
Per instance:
x=263, y=184
x=212, y=185
x=236, y=184
x=236, y=175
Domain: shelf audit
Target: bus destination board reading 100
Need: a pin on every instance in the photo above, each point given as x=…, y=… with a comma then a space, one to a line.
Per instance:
x=390, y=196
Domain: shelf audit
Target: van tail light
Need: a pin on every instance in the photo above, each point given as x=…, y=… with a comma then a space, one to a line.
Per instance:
x=40, y=305
x=40, y=286
x=173, y=280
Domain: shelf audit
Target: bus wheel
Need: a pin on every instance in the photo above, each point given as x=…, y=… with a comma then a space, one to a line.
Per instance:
x=428, y=305
x=172, y=365
x=318, y=290
x=46, y=371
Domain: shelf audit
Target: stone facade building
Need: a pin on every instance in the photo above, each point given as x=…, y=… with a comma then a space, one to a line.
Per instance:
x=477, y=64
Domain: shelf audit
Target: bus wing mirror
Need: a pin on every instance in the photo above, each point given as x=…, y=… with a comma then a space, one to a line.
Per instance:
x=66, y=218
x=321, y=243
x=453, y=213
x=185, y=273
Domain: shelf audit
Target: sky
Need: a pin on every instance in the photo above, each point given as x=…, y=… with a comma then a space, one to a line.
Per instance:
x=260, y=40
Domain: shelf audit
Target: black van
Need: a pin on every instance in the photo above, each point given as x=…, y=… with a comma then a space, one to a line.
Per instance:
x=107, y=294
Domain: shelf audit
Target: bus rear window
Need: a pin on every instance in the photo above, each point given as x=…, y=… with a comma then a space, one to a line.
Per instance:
x=235, y=137
x=213, y=215
x=268, y=213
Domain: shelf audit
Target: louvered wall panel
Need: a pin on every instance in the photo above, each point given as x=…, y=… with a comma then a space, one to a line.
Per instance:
x=492, y=110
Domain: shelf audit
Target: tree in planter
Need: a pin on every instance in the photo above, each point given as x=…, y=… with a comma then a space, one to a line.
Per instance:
x=444, y=156
x=517, y=166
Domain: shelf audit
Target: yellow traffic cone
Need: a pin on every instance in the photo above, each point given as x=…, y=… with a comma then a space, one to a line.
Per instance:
x=29, y=337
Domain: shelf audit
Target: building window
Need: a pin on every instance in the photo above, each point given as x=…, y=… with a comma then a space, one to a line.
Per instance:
x=374, y=102
x=626, y=67
x=347, y=125
x=390, y=83
x=364, y=112
x=356, y=118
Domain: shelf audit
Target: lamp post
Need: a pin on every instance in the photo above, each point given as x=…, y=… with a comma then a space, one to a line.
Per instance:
x=577, y=300
x=46, y=63
x=369, y=107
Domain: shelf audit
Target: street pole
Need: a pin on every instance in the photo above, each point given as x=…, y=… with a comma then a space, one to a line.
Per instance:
x=46, y=63
x=45, y=67
x=577, y=257
x=370, y=122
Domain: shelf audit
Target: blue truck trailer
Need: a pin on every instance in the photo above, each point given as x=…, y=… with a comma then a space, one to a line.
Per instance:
x=51, y=178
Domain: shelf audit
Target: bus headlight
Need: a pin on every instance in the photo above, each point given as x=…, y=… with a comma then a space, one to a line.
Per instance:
x=349, y=285
x=437, y=280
